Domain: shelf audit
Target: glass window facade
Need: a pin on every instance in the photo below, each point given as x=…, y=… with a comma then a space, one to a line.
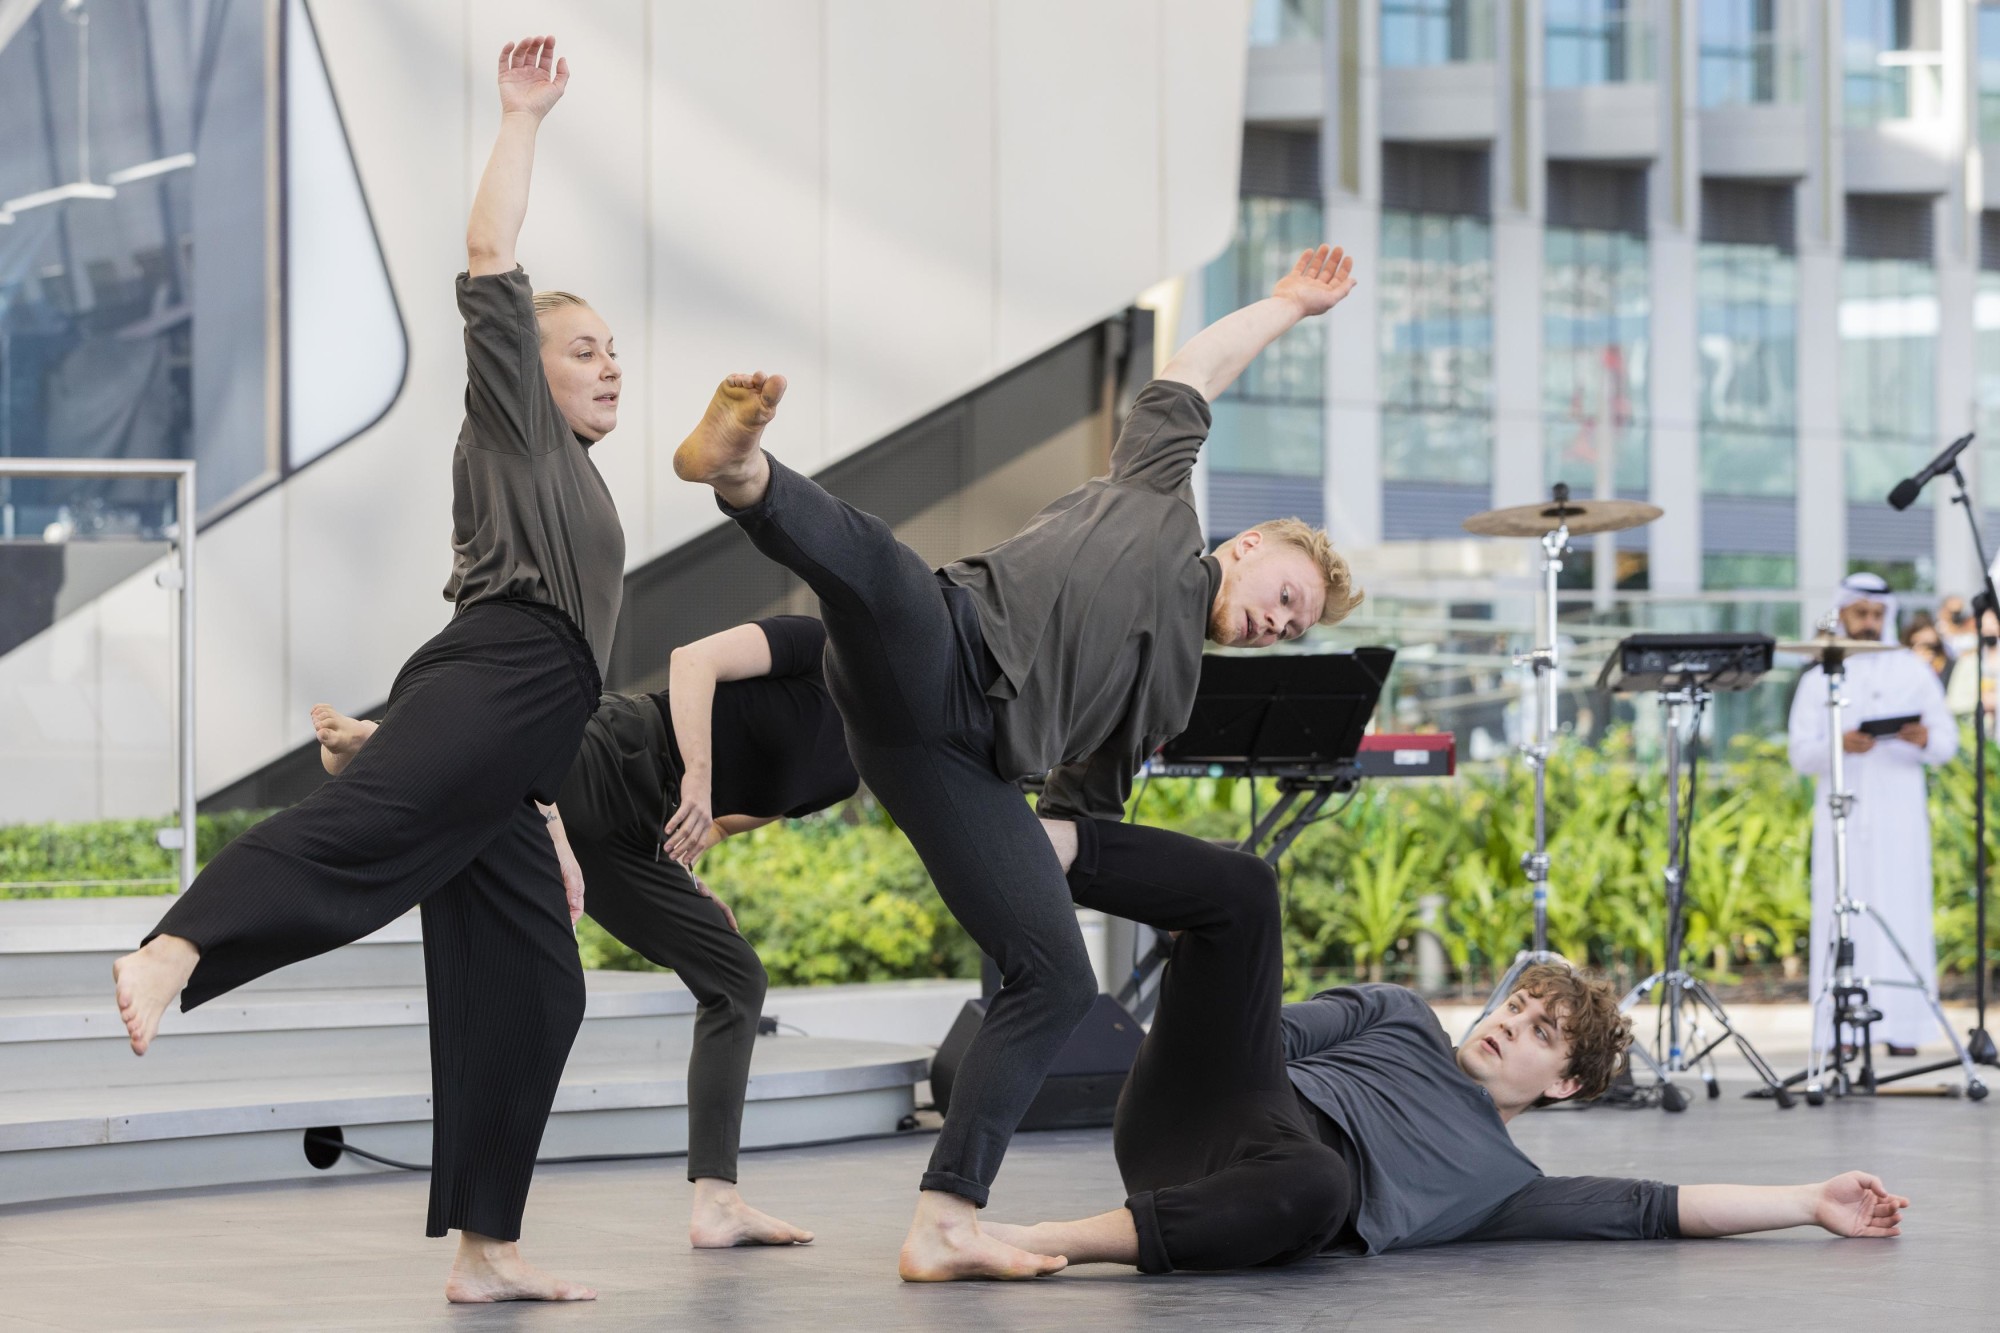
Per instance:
x=1746, y=343
x=1281, y=22
x=1892, y=68
x=1595, y=318
x=1596, y=41
x=1749, y=52
x=1436, y=32
x=1888, y=370
x=1987, y=34
x=1436, y=320
x=1265, y=446
x=1986, y=338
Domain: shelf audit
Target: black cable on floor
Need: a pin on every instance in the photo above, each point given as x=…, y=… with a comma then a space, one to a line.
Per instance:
x=341, y=1145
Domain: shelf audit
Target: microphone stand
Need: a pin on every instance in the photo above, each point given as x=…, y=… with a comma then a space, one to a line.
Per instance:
x=1979, y=1043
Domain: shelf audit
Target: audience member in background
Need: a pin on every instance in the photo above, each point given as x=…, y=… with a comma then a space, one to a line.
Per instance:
x=1921, y=637
x=1954, y=623
x=1965, y=687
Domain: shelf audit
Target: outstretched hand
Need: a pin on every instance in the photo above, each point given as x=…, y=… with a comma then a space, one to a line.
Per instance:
x=1319, y=281
x=532, y=80
x=1858, y=1204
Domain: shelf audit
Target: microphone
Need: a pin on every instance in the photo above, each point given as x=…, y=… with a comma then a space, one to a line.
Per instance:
x=1908, y=488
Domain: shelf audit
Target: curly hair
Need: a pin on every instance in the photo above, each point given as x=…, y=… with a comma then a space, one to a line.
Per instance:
x=1587, y=1009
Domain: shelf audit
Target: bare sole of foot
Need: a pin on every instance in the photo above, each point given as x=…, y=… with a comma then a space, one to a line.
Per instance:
x=146, y=982
x=483, y=1283
x=340, y=737
x=724, y=445
x=971, y=1257
x=726, y=1228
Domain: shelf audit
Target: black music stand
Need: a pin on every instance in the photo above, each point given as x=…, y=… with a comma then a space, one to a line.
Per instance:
x=1298, y=718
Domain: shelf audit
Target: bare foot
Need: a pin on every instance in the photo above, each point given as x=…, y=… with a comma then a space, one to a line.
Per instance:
x=146, y=982
x=1028, y=1238
x=946, y=1244
x=340, y=736
x=721, y=1220
x=493, y=1270
x=722, y=451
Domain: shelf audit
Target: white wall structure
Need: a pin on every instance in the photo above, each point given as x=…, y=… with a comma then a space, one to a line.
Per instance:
x=890, y=201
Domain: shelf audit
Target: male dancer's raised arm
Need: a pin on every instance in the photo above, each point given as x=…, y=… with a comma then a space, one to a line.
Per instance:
x=1213, y=358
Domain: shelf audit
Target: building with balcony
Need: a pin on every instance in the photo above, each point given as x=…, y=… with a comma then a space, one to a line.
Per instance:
x=1739, y=258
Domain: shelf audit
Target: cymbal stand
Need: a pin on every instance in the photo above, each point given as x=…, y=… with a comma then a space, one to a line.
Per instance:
x=1547, y=663
x=1684, y=998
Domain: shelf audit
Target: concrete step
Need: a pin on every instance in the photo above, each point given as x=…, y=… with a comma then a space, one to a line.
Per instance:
x=78, y=1042
x=65, y=946
x=78, y=1141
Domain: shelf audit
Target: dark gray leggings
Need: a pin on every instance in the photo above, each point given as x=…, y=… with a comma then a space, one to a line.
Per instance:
x=906, y=665
x=611, y=808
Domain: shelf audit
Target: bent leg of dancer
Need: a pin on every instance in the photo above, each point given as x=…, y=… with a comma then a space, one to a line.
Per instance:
x=908, y=682
x=1223, y=1169
x=436, y=789
x=656, y=910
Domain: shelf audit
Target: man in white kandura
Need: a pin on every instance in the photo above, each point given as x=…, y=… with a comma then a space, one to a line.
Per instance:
x=1889, y=828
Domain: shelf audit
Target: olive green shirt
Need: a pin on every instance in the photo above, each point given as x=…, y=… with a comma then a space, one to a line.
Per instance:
x=531, y=519
x=1096, y=612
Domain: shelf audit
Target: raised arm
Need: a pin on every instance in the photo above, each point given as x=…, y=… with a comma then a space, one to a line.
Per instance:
x=532, y=81
x=1853, y=1204
x=1213, y=358
x=692, y=674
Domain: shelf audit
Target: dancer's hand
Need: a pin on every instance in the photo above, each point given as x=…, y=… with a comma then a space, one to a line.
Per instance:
x=1318, y=282
x=572, y=873
x=727, y=915
x=1858, y=1204
x=532, y=80
x=684, y=833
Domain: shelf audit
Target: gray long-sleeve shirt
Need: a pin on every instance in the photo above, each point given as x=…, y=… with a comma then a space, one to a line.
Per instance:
x=1435, y=1161
x=530, y=516
x=1095, y=614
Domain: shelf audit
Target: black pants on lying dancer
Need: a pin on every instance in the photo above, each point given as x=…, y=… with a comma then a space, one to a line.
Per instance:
x=744, y=734
x=1251, y=1133
x=1072, y=649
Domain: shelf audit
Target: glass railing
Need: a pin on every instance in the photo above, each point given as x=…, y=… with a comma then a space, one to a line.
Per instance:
x=1436, y=32
x=1284, y=22
x=1763, y=70
x=1597, y=41
x=1893, y=85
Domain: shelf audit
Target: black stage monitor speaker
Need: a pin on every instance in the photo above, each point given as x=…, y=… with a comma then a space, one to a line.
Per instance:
x=1082, y=1088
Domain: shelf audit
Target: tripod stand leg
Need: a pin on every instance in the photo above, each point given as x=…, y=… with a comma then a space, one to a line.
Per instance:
x=1706, y=998
x=1925, y=987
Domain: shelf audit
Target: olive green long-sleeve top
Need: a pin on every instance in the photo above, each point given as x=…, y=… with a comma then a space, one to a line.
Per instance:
x=1096, y=612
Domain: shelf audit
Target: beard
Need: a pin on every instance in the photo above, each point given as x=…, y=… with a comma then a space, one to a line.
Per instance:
x=1221, y=620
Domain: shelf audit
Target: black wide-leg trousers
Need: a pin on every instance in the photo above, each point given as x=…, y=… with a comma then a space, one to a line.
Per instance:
x=1221, y=1164
x=905, y=665
x=437, y=809
x=611, y=806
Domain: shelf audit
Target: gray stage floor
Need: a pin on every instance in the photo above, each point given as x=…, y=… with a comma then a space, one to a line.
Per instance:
x=348, y=1254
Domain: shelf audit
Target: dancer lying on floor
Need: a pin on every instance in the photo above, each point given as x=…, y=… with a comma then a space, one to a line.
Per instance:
x=1074, y=646
x=743, y=734
x=482, y=724
x=1254, y=1133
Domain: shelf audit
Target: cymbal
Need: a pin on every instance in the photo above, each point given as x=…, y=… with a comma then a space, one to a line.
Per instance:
x=1823, y=647
x=1582, y=516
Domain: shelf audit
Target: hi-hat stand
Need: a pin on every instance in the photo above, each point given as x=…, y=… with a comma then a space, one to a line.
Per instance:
x=1685, y=999
x=1546, y=661
x=1844, y=991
